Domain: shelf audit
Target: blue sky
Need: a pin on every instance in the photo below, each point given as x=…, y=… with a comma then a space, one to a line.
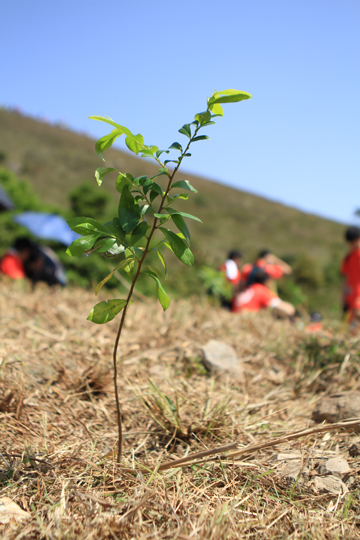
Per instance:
x=151, y=64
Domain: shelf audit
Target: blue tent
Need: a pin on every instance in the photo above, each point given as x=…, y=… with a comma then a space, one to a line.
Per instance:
x=5, y=201
x=47, y=226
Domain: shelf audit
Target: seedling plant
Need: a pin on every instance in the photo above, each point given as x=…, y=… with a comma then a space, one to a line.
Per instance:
x=145, y=208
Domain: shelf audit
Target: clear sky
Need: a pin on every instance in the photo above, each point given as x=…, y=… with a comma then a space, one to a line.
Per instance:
x=151, y=64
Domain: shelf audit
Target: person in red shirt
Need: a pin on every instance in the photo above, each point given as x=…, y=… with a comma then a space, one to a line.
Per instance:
x=350, y=268
x=258, y=296
x=272, y=265
x=12, y=264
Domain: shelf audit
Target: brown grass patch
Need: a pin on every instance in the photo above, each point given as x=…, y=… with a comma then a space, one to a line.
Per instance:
x=58, y=423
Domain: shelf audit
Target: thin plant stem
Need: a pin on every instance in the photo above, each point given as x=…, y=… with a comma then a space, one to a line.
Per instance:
x=123, y=316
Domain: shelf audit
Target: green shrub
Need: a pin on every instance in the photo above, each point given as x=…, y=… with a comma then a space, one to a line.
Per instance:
x=306, y=271
x=87, y=199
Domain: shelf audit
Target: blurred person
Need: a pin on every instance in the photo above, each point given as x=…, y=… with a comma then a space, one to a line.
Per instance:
x=44, y=265
x=13, y=262
x=350, y=269
x=231, y=267
x=232, y=274
x=258, y=296
x=267, y=261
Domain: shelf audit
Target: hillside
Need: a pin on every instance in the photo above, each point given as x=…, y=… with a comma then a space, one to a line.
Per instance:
x=55, y=159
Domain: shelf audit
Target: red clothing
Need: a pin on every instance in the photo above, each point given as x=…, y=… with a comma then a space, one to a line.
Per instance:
x=273, y=270
x=350, y=268
x=254, y=298
x=11, y=265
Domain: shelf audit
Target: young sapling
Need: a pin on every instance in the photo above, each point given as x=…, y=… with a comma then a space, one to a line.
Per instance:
x=144, y=209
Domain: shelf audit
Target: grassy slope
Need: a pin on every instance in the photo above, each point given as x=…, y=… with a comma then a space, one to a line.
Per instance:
x=56, y=159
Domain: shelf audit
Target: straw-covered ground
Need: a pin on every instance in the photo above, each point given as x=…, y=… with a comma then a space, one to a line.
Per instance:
x=58, y=424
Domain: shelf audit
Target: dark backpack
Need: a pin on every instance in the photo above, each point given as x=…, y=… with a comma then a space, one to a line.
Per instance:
x=255, y=270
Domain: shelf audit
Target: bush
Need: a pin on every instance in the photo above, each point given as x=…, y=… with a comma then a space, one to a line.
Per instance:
x=87, y=200
x=306, y=271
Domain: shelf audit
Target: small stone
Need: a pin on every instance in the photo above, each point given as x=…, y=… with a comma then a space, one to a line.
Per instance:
x=338, y=407
x=220, y=358
x=337, y=465
x=331, y=484
x=293, y=469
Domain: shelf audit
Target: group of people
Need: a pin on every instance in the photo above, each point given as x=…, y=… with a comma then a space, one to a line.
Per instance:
x=253, y=287
x=27, y=259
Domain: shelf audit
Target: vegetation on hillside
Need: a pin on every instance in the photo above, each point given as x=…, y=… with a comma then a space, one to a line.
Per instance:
x=56, y=161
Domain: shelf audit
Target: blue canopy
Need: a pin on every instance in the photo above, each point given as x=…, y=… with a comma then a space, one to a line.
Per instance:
x=47, y=226
x=5, y=201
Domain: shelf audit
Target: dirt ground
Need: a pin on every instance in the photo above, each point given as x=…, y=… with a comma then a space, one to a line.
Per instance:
x=58, y=428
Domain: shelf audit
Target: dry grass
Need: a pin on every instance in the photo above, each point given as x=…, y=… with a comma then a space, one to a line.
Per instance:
x=58, y=423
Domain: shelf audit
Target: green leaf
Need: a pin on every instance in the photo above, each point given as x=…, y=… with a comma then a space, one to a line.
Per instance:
x=87, y=226
x=106, y=311
x=203, y=117
x=129, y=266
x=162, y=295
x=162, y=217
x=135, y=143
x=216, y=109
x=103, y=245
x=228, y=96
x=145, y=209
x=178, y=246
x=154, y=270
x=101, y=172
x=123, y=180
x=181, y=225
x=159, y=152
x=184, y=184
x=129, y=211
x=82, y=245
x=153, y=196
x=200, y=138
x=163, y=262
x=110, y=121
x=105, y=280
x=170, y=161
x=155, y=191
x=118, y=230
x=138, y=233
x=190, y=216
x=182, y=196
x=157, y=188
x=105, y=142
x=176, y=146
x=147, y=185
x=186, y=130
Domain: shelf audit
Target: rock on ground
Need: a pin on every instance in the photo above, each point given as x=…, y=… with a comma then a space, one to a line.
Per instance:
x=338, y=407
x=329, y=484
x=337, y=465
x=220, y=358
